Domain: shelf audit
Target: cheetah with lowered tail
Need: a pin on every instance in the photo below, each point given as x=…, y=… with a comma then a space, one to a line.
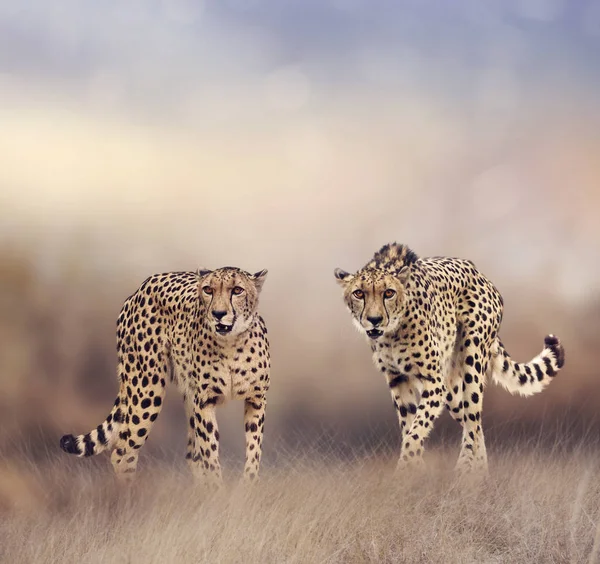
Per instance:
x=202, y=330
x=433, y=327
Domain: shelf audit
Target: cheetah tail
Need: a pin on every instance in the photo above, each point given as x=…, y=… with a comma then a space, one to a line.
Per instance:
x=98, y=440
x=528, y=378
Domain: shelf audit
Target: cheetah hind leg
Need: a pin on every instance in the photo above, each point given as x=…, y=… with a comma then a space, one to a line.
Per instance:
x=481, y=461
x=141, y=411
x=473, y=454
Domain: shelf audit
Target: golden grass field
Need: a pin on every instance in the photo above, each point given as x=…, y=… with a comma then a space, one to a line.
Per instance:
x=538, y=506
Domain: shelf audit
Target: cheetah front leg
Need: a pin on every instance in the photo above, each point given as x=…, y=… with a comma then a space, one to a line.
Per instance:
x=204, y=460
x=427, y=411
x=405, y=394
x=254, y=419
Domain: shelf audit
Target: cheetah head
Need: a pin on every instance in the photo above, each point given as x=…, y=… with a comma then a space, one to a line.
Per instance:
x=375, y=298
x=230, y=298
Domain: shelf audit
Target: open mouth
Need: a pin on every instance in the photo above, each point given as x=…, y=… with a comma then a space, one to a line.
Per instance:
x=374, y=333
x=223, y=329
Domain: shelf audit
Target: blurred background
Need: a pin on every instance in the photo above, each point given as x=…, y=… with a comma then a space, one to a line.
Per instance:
x=300, y=135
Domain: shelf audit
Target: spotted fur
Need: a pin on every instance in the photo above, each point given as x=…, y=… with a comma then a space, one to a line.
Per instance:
x=202, y=330
x=433, y=328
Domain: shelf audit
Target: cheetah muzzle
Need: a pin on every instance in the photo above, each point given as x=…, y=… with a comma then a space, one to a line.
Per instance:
x=374, y=333
x=223, y=329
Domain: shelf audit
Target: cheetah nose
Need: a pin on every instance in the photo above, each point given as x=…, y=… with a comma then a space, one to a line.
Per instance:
x=218, y=315
x=375, y=321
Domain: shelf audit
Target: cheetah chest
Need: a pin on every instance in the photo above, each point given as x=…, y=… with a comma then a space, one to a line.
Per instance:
x=228, y=380
x=242, y=381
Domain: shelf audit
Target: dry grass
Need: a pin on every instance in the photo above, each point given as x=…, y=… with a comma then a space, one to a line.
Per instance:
x=535, y=508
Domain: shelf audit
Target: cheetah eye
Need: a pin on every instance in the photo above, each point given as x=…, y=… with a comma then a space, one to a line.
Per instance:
x=238, y=290
x=358, y=294
x=389, y=293
x=207, y=290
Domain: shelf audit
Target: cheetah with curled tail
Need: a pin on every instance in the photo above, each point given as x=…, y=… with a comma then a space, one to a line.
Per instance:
x=202, y=330
x=433, y=327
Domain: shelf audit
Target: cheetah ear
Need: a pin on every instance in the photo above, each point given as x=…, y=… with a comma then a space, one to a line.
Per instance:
x=259, y=278
x=403, y=275
x=342, y=276
x=202, y=272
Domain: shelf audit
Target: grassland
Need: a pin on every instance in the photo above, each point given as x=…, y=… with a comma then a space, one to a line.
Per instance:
x=537, y=506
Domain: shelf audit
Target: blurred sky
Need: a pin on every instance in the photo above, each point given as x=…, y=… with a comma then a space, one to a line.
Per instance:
x=300, y=135
x=142, y=136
